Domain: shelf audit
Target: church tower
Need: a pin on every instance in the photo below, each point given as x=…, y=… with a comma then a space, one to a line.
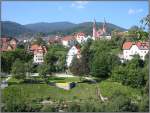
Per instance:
x=94, y=29
x=104, y=27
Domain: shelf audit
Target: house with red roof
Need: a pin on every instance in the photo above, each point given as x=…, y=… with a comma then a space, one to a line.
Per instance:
x=68, y=41
x=54, y=40
x=80, y=37
x=8, y=44
x=38, y=52
x=74, y=51
x=135, y=48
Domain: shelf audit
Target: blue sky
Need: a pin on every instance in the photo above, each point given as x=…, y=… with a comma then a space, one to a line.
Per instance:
x=124, y=14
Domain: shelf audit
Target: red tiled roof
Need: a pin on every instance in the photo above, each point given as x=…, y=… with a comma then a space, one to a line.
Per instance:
x=55, y=39
x=35, y=48
x=5, y=43
x=81, y=34
x=14, y=39
x=140, y=45
x=127, y=45
x=67, y=38
x=4, y=40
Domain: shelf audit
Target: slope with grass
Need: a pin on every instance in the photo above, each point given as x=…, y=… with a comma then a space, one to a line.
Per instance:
x=83, y=91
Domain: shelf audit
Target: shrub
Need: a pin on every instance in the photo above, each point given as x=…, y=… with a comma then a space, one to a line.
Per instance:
x=120, y=102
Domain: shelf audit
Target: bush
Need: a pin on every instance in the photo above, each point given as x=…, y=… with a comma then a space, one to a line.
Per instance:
x=18, y=70
x=48, y=108
x=133, y=73
x=74, y=107
x=132, y=77
x=144, y=104
x=90, y=106
x=120, y=102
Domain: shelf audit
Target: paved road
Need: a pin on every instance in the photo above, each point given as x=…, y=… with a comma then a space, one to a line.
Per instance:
x=63, y=75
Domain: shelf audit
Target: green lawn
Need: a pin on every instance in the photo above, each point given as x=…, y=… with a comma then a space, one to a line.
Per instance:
x=82, y=91
x=14, y=81
x=64, y=79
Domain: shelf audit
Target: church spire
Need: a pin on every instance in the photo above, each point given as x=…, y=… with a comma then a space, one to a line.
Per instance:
x=94, y=28
x=104, y=26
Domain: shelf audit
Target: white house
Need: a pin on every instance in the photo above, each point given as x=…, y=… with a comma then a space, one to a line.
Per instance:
x=132, y=48
x=74, y=50
x=80, y=37
x=88, y=37
x=68, y=41
x=38, y=57
x=107, y=37
x=38, y=52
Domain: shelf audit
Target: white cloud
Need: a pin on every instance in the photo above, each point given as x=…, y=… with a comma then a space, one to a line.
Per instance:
x=134, y=11
x=79, y=4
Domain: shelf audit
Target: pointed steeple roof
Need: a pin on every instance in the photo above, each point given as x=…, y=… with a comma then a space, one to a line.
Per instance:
x=94, y=23
x=104, y=26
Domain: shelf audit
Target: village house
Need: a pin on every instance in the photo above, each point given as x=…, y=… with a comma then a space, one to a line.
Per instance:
x=54, y=40
x=8, y=44
x=135, y=48
x=68, y=41
x=80, y=37
x=38, y=52
x=74, y=50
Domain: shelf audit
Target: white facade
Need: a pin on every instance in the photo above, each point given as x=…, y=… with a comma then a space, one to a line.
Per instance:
x=134, y=50
x=38, y=58
x=80, y=38
x=68, y=43
x=108, y=37
x=93, y=38
x=83, y=39
x=72, y=52
x=65, y=43
x=86, y=38
x=105, y=37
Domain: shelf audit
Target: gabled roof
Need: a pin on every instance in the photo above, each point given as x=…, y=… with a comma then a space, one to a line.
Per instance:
x=34, y=46
x=67, y=38
x=14, y=39
x=5, y=43
x=54, y=39
x=140, y=45
x=127, y=45
x=38, y=48
x=3, y=40
x=80, y=34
